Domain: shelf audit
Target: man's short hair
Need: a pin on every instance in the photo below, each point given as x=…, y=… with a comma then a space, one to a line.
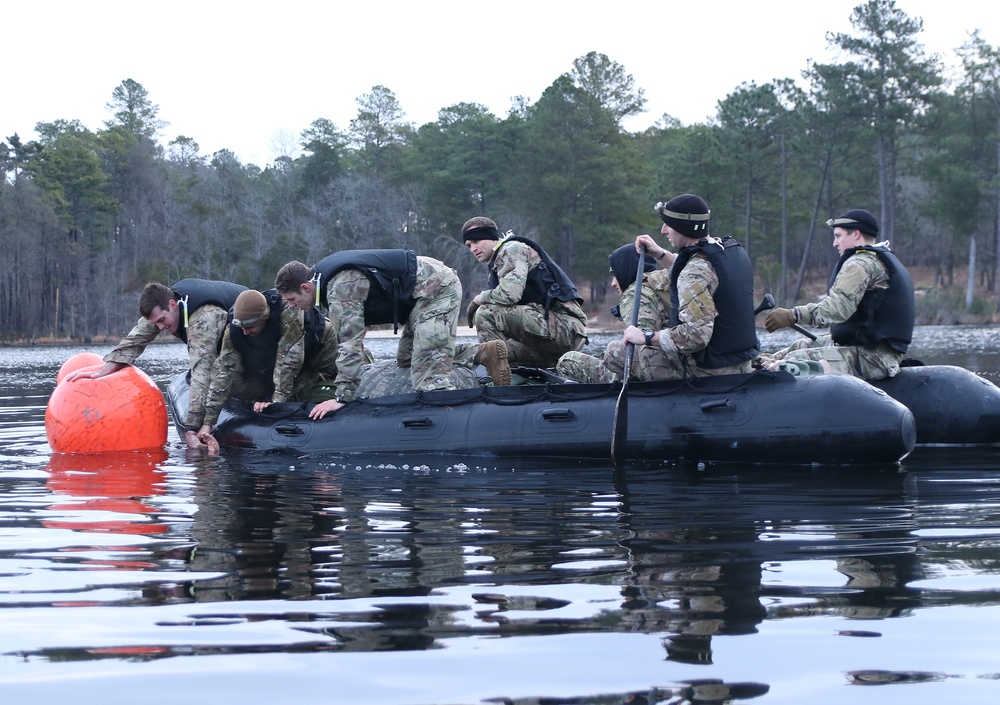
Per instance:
x=291, y=276
x=154, y=294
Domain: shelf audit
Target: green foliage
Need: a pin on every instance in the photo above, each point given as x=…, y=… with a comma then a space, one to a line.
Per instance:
x=324, y=158
x=133, y=111
x=68, y=168
x=378, y=132
x=459, y=162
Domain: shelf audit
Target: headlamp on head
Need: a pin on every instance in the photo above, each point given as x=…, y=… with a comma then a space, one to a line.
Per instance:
x=661, y=208
x=247, y=322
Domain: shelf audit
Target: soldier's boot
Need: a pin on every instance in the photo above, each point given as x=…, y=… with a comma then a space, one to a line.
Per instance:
x=493, y=356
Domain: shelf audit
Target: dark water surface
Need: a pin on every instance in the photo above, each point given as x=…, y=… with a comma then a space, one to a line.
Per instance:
x=173, y=577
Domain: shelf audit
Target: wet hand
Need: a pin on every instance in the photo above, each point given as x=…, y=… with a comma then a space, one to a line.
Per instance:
x=192, y=440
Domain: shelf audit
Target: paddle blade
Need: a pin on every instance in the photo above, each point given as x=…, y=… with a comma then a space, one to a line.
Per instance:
x=619, y=428
x=619, y=432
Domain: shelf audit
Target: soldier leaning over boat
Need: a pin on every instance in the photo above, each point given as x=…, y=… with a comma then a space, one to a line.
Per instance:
x=276, y=350
x=362, y=288
x=193, y=310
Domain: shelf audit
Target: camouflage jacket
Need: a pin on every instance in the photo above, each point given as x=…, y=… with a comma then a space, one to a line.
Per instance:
x=860, y=273
x=289, y=359
x=206, y=326
x=696, y=308
x=346, y=293
x=512, y=264
x=654, y=301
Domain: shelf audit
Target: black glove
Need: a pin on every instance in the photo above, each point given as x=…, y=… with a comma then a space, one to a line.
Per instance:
x=779, y=318
x=470, y=314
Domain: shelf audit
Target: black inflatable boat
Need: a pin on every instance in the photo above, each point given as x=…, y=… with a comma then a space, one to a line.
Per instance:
x=951, y=405
x=765, y=417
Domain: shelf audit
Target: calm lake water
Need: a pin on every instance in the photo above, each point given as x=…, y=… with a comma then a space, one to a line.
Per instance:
x=173, y=577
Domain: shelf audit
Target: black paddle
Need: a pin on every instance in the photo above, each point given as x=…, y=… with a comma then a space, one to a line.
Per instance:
x=619, y=429
x=768, y=303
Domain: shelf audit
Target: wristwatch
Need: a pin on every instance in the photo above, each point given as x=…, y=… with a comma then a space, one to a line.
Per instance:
x=649, y=336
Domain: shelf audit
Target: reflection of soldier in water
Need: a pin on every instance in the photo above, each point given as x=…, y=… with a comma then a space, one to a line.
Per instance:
x=693, y=583
x=295, y=536
x=699, y=561
x=703, y=558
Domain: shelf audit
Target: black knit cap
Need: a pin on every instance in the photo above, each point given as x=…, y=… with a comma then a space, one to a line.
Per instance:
x=624, y=264
x=688, y=214
x=857, y=219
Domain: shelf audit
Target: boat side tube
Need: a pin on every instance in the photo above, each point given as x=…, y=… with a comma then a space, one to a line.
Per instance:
x=766, y=417
x=950, y=404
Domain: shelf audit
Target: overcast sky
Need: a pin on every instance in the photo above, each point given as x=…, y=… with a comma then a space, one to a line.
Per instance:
x=250, y=76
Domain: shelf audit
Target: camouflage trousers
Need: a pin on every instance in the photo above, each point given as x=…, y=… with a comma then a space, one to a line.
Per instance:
x=880, y=363
x=649, y=364
x=427, y=345
x=531, y=339
x=384, y=378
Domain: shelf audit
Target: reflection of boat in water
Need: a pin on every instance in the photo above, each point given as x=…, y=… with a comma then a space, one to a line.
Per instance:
x=694, y=555
x=765, y=417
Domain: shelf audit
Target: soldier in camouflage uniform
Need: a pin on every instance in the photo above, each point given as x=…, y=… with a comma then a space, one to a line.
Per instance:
x=277, y=351
x=654, y=313
x=361, y=288
x=530, y=315
x=711, y=329
x=869, y=308
x=193, y=310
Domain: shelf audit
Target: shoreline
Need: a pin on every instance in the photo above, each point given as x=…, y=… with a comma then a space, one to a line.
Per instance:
x=596, y=328
x=463, y=332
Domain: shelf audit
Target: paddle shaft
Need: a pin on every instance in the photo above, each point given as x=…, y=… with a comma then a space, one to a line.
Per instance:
x=799, y=329
x=619, y=430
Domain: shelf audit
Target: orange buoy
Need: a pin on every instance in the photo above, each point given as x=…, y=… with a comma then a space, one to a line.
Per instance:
x=121, y=411
x=77, y=362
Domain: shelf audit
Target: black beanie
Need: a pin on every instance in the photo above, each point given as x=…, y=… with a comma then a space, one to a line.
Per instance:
x=688, y=214
x=857, y=219
x=625, y=265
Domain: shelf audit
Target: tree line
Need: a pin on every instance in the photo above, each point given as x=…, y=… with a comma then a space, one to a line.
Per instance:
x=87, y=217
